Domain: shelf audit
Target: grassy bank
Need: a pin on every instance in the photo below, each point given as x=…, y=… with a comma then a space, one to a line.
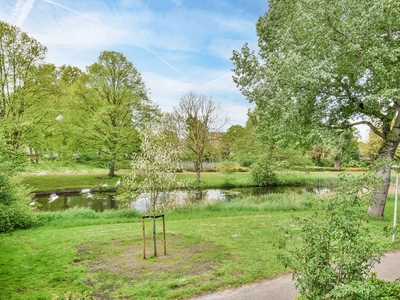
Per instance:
x=80, y=252
x=77, y=180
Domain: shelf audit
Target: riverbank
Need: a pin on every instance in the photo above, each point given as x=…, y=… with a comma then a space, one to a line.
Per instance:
x=81, y=253
x=46, y=182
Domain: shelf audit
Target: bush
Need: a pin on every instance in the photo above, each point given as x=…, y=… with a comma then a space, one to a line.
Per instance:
x=231, y=169
x=335, y=250
x=263, y=173
x=15, y=212
x=371, y=288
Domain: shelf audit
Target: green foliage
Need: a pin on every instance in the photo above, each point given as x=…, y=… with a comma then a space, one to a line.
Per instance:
x=197, y=120
x=76, y=217
x=153, y=177
x=324, y=64
x=27, y=84
x=335, y=246
x=11, y=160
x=371, y=288
x=110, y=106
x=15, y=212
x=209, y=248
x=230, y=168
x=263, y=173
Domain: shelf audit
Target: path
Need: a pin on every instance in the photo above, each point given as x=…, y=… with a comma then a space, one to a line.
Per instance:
x=282, y=287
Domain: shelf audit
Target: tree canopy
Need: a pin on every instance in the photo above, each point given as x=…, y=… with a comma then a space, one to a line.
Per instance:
x=194, y=121
x=111, y=106
x=325, y=64
x=27, y=86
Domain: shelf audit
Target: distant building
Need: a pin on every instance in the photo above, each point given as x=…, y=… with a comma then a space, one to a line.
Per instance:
x=216, y=138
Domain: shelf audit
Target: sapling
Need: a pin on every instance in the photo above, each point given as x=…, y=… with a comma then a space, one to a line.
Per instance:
x=153, y=177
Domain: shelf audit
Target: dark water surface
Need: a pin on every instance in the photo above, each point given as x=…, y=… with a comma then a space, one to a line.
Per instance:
x=106, y=200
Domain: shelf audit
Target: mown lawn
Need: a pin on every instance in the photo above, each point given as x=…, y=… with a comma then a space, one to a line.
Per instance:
x=209, y=247
x=61, y=181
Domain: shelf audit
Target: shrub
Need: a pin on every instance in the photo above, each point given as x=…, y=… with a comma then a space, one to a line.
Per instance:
x=335, y=250
x=263, y=173
x=231, y=169
x=15, y=212
x=371, y=288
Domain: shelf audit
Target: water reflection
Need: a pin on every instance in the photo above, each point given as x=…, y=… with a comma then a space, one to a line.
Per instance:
x=103, y=201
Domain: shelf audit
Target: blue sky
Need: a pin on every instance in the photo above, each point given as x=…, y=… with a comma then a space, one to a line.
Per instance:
x=177, y=45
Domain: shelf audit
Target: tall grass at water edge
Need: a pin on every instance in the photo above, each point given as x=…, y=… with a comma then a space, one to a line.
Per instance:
x=210, y=247
x=253, y=205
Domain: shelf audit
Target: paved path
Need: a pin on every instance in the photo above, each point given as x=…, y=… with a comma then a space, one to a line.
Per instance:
x=282, y=287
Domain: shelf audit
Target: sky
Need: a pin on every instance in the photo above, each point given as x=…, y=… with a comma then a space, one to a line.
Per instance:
x=178, y=46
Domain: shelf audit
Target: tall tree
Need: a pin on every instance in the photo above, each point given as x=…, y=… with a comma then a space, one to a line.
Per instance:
x=27, y=84
x=370, y=149
x=229, y=140
x=341, y=144
x=59, y=137
x=194, y=120
x=331, y=64
x=111, y=106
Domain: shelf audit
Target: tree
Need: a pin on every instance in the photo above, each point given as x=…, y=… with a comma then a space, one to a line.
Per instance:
x=27, y=86
x=332, y=249
x=194, y=120
x=326, y=64
x=62, y=136
x=318, y=154
x=15, y=212
x=153, y=174
x=341, y=144
x=111, y=105
x=229, y=140
x=371, y=148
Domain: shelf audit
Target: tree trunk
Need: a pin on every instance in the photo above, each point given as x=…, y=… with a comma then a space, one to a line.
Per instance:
x=154, y=236
x=377, y=208
x=111, y=172
x=197, y=166
x=31, y=155
x=198, y=175
x=337, y=163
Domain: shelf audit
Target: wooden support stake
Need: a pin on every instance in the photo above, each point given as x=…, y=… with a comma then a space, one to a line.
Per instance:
x=144, y=239
x=144, y=233
x=165, y=240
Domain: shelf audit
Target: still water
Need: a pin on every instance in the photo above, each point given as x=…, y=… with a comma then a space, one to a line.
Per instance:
x=103, y=201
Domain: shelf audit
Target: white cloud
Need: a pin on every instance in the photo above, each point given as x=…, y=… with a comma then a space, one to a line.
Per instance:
x=22, y=9
x=178, y=46
x=167, y=92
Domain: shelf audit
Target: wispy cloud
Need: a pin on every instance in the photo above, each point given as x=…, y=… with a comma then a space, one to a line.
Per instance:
x=22, y=9
x=92, y=34
x=178, y=46
x=81, y=14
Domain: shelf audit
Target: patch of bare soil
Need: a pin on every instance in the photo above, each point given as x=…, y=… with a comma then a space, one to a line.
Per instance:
x=124, y=257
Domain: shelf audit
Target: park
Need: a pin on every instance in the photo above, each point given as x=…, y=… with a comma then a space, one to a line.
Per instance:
x=321, y=70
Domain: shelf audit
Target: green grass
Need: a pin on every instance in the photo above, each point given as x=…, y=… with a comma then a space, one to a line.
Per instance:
x=209, y=247
x=61, y=181
x=54, y=182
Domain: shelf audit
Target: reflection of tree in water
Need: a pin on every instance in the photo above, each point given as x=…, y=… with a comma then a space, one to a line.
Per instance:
x=193, y=196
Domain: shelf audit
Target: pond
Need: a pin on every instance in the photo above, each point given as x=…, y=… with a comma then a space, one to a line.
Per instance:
x=106, y=200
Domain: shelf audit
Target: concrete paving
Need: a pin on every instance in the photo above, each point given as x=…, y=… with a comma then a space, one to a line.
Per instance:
x=282, y=287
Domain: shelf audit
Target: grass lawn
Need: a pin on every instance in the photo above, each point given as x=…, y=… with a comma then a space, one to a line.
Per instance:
x=79, y=180
x=209, y=247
